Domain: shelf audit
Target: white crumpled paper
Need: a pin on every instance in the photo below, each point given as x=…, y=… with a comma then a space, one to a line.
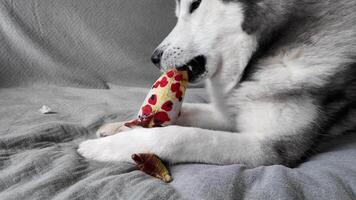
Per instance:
x=46, y=110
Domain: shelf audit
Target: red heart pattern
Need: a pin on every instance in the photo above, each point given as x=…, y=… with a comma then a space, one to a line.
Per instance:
x=168, y=106
x=151, y=116
x=153, y=99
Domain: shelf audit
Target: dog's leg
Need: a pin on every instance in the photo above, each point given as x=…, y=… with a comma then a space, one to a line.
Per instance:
x=272, y=132
x=184, y=144
x=193, y=115
x=204, y=116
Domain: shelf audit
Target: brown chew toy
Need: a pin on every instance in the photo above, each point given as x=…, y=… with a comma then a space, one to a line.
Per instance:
x=160, y=108
x=152, y=165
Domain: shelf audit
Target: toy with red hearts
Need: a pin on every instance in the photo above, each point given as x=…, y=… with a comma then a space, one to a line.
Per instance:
x=163, y=103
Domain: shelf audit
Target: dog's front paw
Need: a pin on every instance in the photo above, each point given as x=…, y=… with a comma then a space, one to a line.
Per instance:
x=104, y=151
x=92, y=149
x=117, y=148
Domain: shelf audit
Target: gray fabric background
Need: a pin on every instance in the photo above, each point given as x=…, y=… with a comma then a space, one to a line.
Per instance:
x=83, y=43
x=64, y=53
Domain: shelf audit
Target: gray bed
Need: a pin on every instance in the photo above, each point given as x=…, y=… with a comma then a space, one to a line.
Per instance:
x=89, y=61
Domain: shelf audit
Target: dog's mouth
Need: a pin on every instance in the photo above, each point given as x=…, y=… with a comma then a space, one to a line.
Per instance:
x=196, y=68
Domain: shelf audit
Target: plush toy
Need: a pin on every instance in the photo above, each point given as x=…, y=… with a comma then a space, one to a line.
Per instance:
x=163, y=103
x=160, y=108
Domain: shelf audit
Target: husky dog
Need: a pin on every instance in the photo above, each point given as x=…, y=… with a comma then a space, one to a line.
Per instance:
x=280, y=73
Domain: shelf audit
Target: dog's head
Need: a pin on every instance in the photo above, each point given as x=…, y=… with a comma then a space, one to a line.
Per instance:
x=209, y=40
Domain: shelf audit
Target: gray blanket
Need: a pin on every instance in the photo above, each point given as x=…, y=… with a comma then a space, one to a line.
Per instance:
x=89, y=61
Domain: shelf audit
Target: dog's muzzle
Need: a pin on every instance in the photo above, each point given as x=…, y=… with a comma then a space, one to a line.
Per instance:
x=196, y=67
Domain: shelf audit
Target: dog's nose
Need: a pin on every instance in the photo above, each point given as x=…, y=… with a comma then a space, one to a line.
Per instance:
x=156, y=57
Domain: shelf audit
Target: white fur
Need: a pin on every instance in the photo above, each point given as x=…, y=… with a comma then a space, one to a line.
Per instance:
x=239, y=120
x=177, y=144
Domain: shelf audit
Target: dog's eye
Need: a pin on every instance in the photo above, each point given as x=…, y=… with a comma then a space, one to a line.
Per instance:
x=195, y=4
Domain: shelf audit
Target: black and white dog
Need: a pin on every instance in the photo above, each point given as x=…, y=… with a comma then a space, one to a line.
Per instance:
x=280, y=73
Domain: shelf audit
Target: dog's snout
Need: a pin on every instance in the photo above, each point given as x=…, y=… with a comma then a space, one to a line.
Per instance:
x=156, y=57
